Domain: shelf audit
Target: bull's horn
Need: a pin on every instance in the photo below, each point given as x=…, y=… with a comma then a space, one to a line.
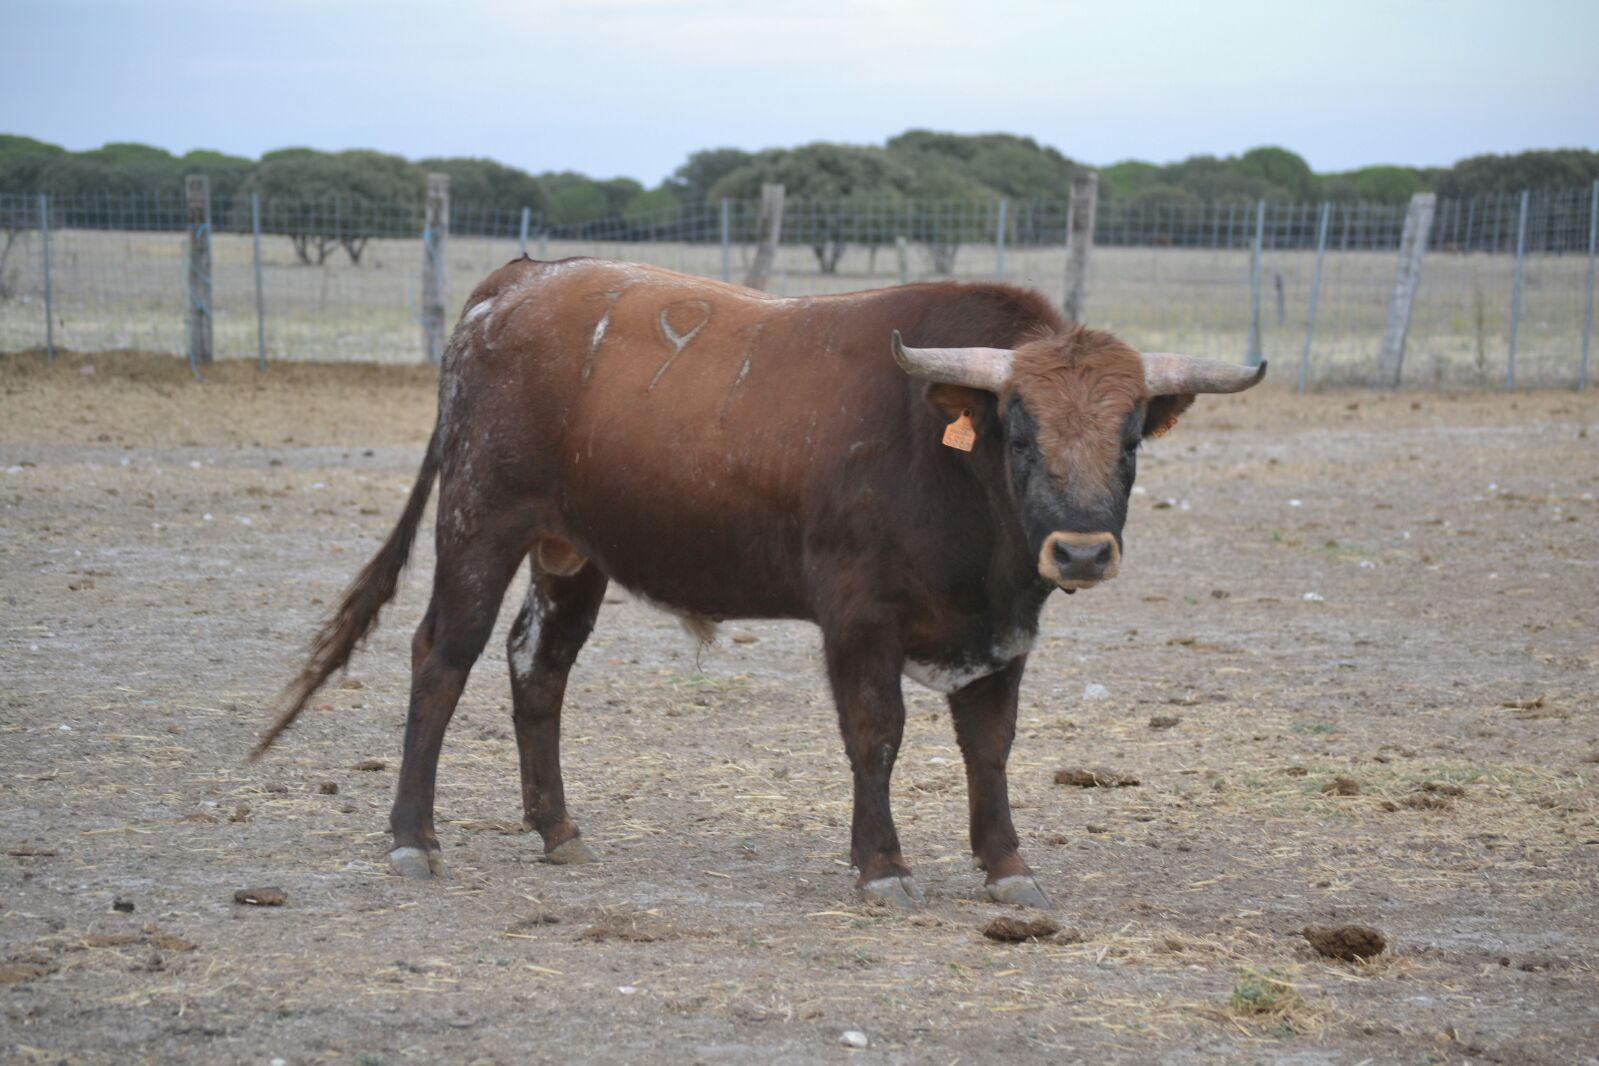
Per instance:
x=1169, y=374
x=976, y=368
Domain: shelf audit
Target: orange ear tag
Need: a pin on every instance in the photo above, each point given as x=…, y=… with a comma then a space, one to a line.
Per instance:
x=960, y=434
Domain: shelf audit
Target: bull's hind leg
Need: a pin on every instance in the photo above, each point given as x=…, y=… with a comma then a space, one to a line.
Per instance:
x=985, y=724
x=468, y=582
x=550, y=630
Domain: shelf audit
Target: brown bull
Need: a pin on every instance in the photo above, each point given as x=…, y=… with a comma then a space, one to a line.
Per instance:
x=728, y=454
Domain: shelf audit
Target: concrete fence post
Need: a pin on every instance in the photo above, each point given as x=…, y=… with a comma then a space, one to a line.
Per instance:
x=1587, y=315
x=727, y=239
x=902, y=250
x=1080, y=241
x=769, y=231
x=1255, y=353
x=435, y=235
x=1412, y=246
x=197, y=209
x=49, y=294
x=1515, y=293
x=260, y=296
x=999, y=243
x=1315, y=293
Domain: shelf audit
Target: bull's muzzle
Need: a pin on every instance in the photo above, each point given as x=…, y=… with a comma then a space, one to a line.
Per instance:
x=1079, y=560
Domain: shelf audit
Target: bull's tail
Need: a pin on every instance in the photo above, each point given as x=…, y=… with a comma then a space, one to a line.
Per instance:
x=358, y=610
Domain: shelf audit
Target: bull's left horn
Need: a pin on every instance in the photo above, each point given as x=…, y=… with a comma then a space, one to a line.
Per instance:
x=976, y=368
x=1168, y=374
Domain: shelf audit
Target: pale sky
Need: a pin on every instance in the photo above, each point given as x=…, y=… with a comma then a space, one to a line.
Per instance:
x=632, y=86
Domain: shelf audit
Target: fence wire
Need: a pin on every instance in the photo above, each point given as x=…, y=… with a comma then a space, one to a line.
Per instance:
x=341, y=279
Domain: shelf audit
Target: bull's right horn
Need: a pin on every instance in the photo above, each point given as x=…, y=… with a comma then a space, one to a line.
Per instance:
x=1169, y=374
x=975, y=368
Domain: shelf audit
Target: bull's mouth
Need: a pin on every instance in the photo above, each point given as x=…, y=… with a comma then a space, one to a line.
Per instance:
x=1072, y=561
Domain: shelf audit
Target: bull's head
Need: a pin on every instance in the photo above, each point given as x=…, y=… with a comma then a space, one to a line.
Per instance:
x=1071, y=410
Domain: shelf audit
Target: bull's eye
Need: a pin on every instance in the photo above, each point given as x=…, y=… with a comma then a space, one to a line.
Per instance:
x=1019, y=445
x=1129, y=447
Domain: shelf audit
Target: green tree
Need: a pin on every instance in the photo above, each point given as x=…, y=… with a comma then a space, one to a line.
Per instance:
x=323, y=201
x=482, y=188
x=1383, y=184
x=573, y=198
x=1281, y=169
x=1123, y=179
x=1003, y=164
x=654, y=204
x=1562, y=168
x=692, y=182
x=820, y=181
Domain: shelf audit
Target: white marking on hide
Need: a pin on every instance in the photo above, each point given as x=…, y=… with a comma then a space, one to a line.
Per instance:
x=524, y=641
x=952, y=676
x=677, y=340
x=599, y=332
x=478, y=310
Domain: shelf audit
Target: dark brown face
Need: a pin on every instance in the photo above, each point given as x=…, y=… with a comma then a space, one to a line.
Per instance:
x=1074, y=417
x=1073, y=499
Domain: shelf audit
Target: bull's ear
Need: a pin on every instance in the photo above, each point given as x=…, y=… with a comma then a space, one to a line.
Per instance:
x=1163, y=413
x=957, y=400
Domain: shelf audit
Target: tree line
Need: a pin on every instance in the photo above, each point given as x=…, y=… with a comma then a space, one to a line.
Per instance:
x=330, y=200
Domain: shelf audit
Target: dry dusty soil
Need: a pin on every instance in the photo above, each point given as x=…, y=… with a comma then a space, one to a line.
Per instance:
x=1399, y=590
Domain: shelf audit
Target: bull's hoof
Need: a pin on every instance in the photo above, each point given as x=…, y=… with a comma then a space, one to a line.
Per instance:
x=1018, y=889
x=419, y=864
x=571, y=852
x=901, y=892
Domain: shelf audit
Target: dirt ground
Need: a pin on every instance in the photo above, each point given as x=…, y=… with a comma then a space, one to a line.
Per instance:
x=1399, y=590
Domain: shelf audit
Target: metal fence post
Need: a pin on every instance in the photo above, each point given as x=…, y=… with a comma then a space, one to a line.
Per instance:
x=1080, y=241
x=1587, y=315
x=49, y=295
x=999, y=243
x=521, y=237
x=1412, y=246
x=434, y=235
x=260, y=299
x=902, y=250
x=1315, y=292
x=1515, y=295
x=727, y=240
x=1255, y=353
x=197, y=197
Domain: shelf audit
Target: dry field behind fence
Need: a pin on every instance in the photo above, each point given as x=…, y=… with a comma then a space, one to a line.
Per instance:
x=1396, y=590
x=125, y=290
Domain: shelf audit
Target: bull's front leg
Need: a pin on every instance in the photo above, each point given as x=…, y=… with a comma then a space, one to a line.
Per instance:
x=863, y=666
x=985, y=724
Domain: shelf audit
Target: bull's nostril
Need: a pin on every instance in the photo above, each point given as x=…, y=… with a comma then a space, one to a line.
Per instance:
x=1103, y=556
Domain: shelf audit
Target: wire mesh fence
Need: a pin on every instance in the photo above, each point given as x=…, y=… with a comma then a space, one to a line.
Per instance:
x=342, y=279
